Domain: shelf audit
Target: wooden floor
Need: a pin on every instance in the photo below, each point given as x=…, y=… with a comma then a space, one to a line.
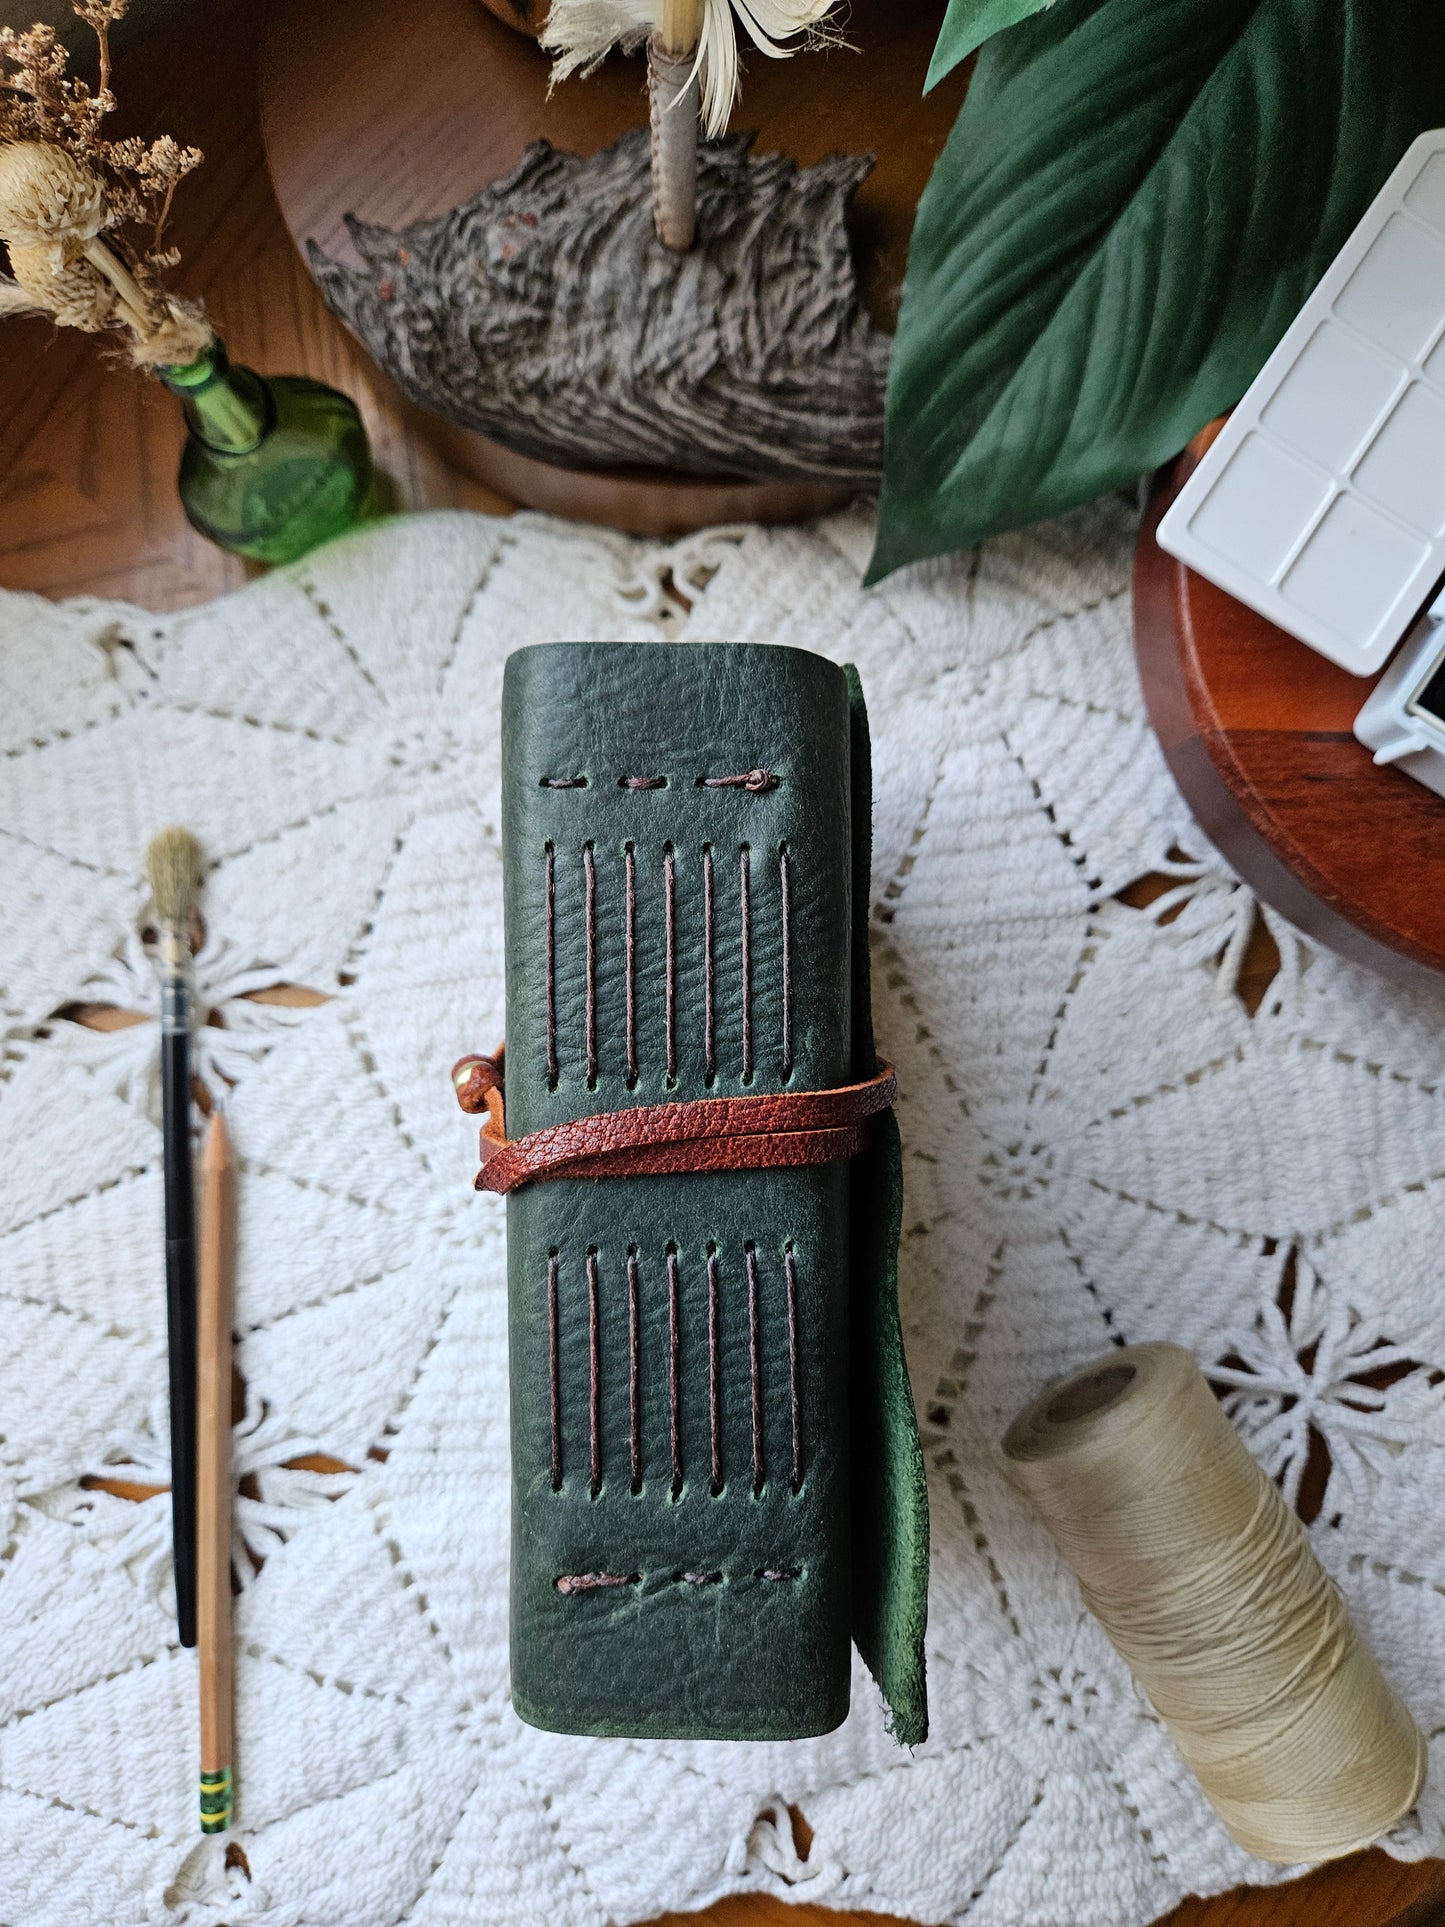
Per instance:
x=88, y=507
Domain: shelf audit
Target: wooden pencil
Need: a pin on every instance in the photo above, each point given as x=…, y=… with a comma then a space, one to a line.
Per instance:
x=213, y=1475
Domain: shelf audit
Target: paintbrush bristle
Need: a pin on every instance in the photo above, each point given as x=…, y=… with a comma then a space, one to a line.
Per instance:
x=173, y=864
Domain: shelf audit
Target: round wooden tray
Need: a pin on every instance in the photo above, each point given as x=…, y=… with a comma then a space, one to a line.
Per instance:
x=1257, y=730
x=399, y=116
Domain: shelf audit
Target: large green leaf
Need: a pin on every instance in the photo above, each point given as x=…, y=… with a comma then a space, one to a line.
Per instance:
x=1134, y=202
x=968, y=23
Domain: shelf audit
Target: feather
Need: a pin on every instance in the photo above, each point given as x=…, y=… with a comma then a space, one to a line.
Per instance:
x=17, y=300
x=580, y=32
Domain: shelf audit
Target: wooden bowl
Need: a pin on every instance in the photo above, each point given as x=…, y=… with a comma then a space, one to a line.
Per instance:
x=1257, y=730
x=397, y=123
x=527, y=16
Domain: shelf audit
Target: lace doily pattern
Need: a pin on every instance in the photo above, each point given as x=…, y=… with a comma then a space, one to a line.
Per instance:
x=1107, y=1142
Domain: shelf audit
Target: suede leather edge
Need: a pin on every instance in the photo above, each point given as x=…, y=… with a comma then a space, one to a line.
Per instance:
x=888, y=1486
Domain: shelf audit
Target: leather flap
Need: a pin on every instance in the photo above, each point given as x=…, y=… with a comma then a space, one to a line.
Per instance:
x=889, y=1494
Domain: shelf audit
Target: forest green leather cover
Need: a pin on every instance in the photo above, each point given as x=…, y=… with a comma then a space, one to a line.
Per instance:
x=667, y=1328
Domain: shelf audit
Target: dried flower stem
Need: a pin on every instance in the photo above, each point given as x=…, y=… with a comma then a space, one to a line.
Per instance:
x=128, y=294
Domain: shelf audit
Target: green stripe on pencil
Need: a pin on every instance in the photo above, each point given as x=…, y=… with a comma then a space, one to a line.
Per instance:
x=216, y=1802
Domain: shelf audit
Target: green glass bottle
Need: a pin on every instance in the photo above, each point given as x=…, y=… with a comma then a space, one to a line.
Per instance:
x=270, y=467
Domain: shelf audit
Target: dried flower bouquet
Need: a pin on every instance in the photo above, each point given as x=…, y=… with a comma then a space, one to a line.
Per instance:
x=82, y=216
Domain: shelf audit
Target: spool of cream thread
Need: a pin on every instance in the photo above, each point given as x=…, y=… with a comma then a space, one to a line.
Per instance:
x=1206, y=1584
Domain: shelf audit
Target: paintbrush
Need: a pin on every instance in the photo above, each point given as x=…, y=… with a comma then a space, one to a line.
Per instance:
x=692, y=72
x=213, y=1475
x=173, y=864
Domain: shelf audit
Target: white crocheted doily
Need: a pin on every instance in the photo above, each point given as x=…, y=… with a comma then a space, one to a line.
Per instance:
x=1104, y=1145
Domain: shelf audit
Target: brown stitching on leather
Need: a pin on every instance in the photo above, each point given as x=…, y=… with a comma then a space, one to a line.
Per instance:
x=594, y=1348
x=551, y=947
x=589, y=866
x=785, y=891
x=642, y=783
x=669, y=878
x=674, y=1370
x=770, y=1130
x=714, y=1376
x=745, y=899
x=564, y=782
x=571, y=1583
x=795, y=1390
x=568, y=1583
x=631, y=965
x=634, y=1378
x=755, y=1365
x=554, y=1370
x=709, y=1046
x=753, y=780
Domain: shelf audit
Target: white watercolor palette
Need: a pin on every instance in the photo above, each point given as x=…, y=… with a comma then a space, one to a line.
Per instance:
x=1321, y=503
x=1403, y=721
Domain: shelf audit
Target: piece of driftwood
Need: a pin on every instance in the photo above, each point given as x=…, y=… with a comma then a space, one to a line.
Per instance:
x=545, y=313
x=672, y=97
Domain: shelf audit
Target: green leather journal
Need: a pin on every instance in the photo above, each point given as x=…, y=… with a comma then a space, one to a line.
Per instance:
x=717, y=1481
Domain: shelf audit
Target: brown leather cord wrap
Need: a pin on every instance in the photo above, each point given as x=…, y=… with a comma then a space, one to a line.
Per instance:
x=771, y=1131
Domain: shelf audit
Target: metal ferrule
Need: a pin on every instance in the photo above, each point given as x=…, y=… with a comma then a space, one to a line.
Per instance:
x=174, y=955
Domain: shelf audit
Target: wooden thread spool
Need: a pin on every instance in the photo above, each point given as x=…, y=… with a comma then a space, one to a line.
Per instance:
x=1206, y=1584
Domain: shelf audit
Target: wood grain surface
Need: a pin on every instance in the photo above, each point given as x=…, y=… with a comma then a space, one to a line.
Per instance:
x=1258, y=731
x=88, y=507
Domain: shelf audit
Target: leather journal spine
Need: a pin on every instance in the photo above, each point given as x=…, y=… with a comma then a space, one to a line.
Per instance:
x=685, y=1343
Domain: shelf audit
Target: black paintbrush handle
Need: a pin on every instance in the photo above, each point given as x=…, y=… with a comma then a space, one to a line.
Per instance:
x=180, y=1315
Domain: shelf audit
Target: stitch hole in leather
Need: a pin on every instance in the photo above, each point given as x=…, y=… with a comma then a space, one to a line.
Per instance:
x=709, y=1034
x=669, y=882
x=550, y=853
x=785, y=901
x=674, y=1371
x=745, y=913
x=755, y=781
x=697, y=1578
x=589, y=873
x=564, y=783
x=571, y=1583
x=634, y=1376
x=594, y=1351
x=795, y=1390
x=755, y=1364
x=778, y=1574
x=642, y=782
x=714, y=1362
x=554, y=1368
x=629, y=859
